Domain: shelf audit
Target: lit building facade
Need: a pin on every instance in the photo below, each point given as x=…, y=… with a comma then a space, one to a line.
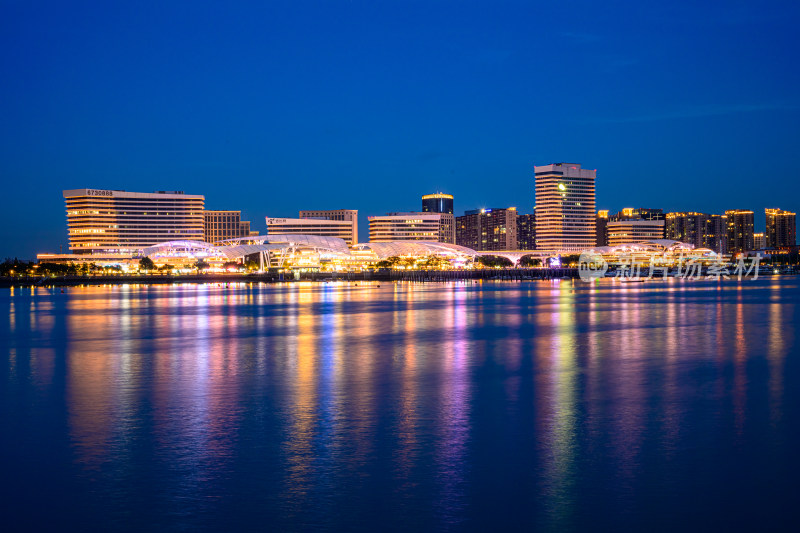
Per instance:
x=645, y=213
x=320, y=227
x=526, y=232
x=437, y=203
x=413, y=226
x=219, y=225
x=565, y=207
x=638, y=213
x=488, y=229
x=781, y=228
x=686, y=227
x=759, y=241
x=108, y=221
x=740, y=230
x=717, y=234
x=346, y=215
x=443, y=204
x=634, y=231
x=699, y=229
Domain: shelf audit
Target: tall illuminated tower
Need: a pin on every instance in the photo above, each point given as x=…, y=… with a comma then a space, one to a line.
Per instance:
x=740, y=230
x=781, y=228
x=565, y=208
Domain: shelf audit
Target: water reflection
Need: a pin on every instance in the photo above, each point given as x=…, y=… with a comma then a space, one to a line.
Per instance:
x=557, y=354
x=344, y=405
x=453, y=420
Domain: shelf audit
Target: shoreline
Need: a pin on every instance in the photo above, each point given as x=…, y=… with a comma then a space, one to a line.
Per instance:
x=397, y=275
x=420, y=276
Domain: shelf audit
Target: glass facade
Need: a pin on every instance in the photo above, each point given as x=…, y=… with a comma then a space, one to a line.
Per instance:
x=437, y=203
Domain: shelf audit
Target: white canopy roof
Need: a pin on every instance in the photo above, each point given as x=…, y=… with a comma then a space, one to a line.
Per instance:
x=414, y=248
x=316, y=242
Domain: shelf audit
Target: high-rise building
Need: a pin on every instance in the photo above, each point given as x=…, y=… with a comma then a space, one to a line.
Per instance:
x=526, y=232
x=565, y=207
x=700, y=229
x=345, y=215
x=633, y=231
x=322, y=227
x=690, y=228
x=759, y=241
x=437, y=203
x=468, y=230
x=109, y=221
x=488, y=229
x=740, y=230
x=221, y=225
x=717, y=234
x=443, y=204
x=601, y=228
x=781, y=228
x=447, y=228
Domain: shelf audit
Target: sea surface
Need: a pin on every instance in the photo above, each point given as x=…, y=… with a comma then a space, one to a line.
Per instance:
x=494, y=406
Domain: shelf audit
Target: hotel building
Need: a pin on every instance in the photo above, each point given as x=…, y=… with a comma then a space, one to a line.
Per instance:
x=634, y=231
x=781, y=228
x=321, y=227
x=526, y=231
x=740, y=230
x=339, y=215
x=102, y=221
x=219, y=226
x=443, y=204
x=565, y=207
x=415, y=226
x=759, y=241
x=488, y=229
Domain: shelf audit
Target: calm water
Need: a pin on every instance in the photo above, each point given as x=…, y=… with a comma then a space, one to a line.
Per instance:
x=559, y=404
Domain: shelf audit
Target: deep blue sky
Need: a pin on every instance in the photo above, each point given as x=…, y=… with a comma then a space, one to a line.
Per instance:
x=275, y=107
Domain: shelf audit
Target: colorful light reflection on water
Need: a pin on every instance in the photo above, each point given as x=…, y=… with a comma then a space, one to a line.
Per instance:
x=465, y=405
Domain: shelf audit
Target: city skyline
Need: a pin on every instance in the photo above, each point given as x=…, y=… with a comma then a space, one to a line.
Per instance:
x=362, y=224
x=123, y=222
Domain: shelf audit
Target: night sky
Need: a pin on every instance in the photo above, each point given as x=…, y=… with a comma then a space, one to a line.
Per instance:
x=279, y=106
